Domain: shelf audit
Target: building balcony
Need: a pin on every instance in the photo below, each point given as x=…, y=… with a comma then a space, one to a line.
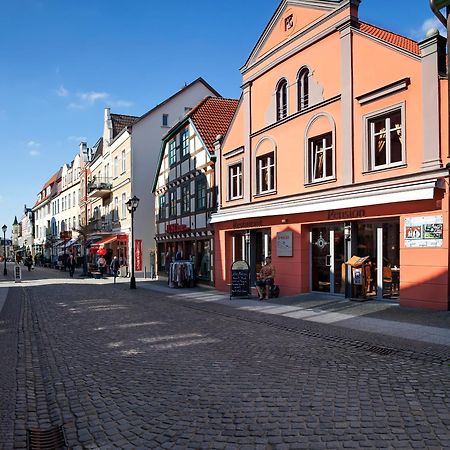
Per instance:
x=101, y=225
x=99, y=187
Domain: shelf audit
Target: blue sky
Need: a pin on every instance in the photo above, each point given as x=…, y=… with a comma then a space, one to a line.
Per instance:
x=62, y=62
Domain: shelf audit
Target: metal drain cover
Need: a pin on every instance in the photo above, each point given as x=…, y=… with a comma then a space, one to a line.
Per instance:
x=49, y=439
x=380, y=350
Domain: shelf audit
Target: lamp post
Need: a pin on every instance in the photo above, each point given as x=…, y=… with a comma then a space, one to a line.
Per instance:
x=436, y=6
x=4, y=228
x=132, y=205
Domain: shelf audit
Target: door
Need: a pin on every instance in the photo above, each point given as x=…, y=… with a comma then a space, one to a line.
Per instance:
x=327, y=259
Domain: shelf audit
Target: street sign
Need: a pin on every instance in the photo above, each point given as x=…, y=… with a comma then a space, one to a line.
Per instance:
x=17, y=274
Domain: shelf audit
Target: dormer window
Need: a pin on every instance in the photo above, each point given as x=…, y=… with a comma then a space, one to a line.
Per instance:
x=281, y=94
x=303, y=89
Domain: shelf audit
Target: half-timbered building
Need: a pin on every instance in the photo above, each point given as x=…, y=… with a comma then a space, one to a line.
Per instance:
x=184, y=186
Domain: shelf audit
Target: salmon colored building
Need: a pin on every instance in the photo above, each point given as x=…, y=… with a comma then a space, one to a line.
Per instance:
x=339, y=148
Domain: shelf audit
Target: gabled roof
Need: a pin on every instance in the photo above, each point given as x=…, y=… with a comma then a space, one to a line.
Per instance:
x=167, y=100
x=391, y=38
x=121, y=121
x=15, y=221
x=98, y=149
x=52, y=180
x=211, y=117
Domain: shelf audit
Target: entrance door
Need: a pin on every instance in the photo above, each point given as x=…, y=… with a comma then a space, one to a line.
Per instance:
x=327, y=255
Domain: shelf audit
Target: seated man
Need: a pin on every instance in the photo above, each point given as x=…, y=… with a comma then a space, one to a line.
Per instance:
x=266, y=279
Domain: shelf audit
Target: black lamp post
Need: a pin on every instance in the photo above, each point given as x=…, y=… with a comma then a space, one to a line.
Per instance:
x=132, y=205
x=4, y=228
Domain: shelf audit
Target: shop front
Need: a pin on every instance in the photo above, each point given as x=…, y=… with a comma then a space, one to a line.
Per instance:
x=194, y=247
x=396, y=252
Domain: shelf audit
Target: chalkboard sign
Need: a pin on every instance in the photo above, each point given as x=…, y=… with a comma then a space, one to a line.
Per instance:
x=17, y=274
x=240, y=279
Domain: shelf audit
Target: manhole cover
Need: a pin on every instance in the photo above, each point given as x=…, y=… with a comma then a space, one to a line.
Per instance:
x=380, y=350
x=49, y=439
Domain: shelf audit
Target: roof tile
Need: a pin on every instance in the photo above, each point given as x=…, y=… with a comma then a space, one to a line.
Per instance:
x=391, y=38
x=212, y=116
x=121, y=121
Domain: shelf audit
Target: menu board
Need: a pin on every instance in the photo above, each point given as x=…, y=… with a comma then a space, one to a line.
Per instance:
x=240, y=279
x=424, y=231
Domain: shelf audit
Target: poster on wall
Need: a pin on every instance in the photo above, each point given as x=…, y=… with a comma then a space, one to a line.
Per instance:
x=138, y=255
x=284, y=243
x=424, y=231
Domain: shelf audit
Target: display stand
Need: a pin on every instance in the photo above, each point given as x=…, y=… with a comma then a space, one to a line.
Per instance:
x=181, y=274
x=361, y=277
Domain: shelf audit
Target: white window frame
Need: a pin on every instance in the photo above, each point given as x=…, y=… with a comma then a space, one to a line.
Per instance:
x=303, y=88
x=369, y=138
x=116, y=166
x=124, y=162
x=124, y=206
x=235, y=172
x=172, y=152
x=184, y=139
x=270, y=158
x=116, y=208
x=313, y=154
x=282, y=108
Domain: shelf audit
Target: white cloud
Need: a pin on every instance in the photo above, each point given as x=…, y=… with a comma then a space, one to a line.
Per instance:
x=120, y=103
x=431, y=22
x=77, y=139
x=91, y=97
x=33, y=144
x=62, y=91
x=34, y=153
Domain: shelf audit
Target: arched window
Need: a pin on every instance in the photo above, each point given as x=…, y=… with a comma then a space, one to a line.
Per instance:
x=303, y=89
x=282, y=107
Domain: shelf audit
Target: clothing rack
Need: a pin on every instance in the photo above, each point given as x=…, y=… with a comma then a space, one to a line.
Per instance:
x=181, y=274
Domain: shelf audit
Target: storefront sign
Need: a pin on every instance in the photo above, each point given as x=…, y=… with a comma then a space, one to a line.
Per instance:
x=424, y=231
x=247, y=224
x=284, y=243
x=138, y=255
x=346, y=214
x=176, y=228
x=240, y=279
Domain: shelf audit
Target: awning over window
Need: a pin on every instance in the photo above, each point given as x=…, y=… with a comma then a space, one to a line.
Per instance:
x=111, y=239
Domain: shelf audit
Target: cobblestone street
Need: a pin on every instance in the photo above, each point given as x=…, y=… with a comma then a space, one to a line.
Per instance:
x=144, y=369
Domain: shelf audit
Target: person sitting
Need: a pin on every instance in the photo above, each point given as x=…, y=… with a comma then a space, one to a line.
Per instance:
x=266, y=279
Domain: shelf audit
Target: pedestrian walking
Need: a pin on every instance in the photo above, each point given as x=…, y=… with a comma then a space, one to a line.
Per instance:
x=115, y=265
x=71, y=265
x=101, y=263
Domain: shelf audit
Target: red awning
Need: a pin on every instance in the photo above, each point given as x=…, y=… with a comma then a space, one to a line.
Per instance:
x=110, y=239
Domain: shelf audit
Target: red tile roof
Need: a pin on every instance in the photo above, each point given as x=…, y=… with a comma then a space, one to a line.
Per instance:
x=46, y=185
x=121, y=121
x=391, y=38
x=212, y=116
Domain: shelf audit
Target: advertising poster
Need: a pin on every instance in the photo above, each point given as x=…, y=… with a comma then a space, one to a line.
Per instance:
x=284, y=243
x=424, y=231
x=138, y=255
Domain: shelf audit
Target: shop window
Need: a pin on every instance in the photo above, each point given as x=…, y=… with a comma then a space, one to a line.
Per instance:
x=185, y=199
x=265, y=175
x=235, y=181
x=173, y=203
x=200, y=193
x=282, y=99
x=172, y=152
x=386, y=140
x=303, y=89
x=162, y=207
x=321, y=158
x=184, y=140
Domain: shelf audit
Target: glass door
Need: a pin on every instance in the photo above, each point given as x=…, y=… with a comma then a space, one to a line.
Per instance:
x=327, y=259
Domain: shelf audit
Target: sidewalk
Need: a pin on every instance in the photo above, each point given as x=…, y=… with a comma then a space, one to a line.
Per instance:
x=372, y=316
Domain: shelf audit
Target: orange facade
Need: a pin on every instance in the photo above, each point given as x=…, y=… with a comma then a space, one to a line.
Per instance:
x=339, y=148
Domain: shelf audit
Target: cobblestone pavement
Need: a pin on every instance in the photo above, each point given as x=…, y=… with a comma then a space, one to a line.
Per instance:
x=138, y=369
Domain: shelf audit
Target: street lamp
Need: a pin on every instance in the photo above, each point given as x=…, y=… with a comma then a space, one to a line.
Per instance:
x=436, y=6
x=4, y=228
x=132, y=205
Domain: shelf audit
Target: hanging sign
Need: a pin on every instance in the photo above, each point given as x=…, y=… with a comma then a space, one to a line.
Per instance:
x=424, y=231
x=138, y=255
x=240, y=279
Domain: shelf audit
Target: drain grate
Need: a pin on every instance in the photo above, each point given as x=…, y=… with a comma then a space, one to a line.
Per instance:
x=49, y=439
x=380, y=350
